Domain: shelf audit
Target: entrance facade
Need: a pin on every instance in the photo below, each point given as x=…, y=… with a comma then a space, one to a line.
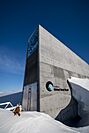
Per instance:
x=30, y=97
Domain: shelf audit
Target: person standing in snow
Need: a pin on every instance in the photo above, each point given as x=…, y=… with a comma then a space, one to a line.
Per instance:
x=17, y=110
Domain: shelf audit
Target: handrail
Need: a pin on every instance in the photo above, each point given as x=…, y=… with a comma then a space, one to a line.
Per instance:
x=6, y=103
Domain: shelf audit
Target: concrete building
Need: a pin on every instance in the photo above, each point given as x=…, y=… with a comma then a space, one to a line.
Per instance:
x=48, y=59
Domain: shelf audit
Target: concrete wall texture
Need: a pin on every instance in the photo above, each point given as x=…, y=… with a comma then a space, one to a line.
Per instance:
x=55, y=63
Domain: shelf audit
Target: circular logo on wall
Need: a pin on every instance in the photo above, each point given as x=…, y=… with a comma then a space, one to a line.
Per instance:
x=49, y=86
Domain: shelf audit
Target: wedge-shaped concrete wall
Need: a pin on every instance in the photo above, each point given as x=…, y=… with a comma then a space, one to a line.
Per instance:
x=57, y=63
x=51, y=60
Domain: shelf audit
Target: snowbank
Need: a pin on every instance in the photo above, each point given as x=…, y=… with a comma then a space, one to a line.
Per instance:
x=31, y=122
x=36, y=122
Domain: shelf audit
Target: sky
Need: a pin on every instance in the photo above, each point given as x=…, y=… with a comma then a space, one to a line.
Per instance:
x=68, y=20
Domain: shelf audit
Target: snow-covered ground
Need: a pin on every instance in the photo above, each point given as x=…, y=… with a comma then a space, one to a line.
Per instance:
x=36, y=122
x=31, y=122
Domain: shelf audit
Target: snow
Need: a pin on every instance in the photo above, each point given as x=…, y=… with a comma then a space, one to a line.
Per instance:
x=83, y=82
x=80, y=91
x=37, y=122
x=82, y=129
x=31, y=122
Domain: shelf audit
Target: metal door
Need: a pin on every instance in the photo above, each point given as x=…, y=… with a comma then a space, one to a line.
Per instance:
x=30, y=97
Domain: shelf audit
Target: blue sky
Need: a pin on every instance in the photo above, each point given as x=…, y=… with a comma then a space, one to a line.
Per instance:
x=68, y=20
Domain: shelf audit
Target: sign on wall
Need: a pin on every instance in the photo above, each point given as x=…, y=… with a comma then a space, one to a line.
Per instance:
x=51, y=87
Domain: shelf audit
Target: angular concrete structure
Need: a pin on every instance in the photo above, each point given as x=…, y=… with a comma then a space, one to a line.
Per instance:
x=48, y=59
x=80, y=92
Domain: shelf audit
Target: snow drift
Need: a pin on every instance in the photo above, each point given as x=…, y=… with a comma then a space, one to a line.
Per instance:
x=31, y=122
x=36, y=122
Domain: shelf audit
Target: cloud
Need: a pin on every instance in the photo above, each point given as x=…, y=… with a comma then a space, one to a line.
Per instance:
x=9, y=62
